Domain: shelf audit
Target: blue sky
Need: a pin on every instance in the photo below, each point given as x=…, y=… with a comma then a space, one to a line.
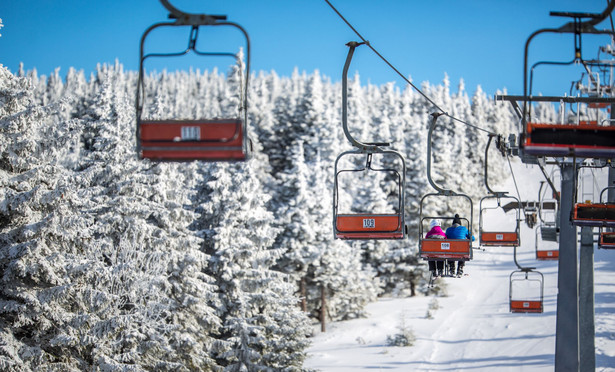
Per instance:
x=480, y=41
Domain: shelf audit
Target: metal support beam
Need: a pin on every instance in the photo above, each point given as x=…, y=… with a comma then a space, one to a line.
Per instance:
x=611, y=179
x=587, y=327
x=565, y=99
x=567, y=323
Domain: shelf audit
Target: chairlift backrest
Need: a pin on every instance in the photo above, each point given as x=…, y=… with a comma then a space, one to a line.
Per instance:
x=606, y=240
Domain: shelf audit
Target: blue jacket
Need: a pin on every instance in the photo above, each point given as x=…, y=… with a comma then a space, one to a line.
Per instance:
x=458, y=232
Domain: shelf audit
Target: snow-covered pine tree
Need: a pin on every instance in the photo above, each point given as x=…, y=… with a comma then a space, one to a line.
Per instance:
x=262, y=326
x=39, y=230
x=89, y=229
x=102, y=271
x=159, y=313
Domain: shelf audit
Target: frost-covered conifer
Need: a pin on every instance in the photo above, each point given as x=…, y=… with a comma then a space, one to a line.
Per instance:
x=107, y=263
x=155, y=264
x=262, y=326
x=100, y=269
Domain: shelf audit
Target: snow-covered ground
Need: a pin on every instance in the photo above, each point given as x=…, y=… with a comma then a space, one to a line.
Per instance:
x=471, y=327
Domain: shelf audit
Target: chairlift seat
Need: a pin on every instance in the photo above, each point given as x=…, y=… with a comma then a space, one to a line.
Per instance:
x=497, y=239
x=522, y=306
x=607, y=240
x=526, y=303
x=369, y=226
x=186, y=140
x=589, y=140
x=585, y=214
x=457, y=249
x=547, y=254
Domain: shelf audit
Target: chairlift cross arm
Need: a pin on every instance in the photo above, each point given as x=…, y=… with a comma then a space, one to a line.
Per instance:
x=595, y=18
x=183, y=18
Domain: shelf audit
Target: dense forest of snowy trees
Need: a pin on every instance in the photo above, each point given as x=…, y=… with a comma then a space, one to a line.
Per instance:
x=114, y=264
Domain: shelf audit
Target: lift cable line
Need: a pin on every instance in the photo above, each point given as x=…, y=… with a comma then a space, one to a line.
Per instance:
x=366, y=42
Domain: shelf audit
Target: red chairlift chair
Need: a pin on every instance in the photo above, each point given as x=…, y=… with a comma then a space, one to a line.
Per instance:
x=209, y=139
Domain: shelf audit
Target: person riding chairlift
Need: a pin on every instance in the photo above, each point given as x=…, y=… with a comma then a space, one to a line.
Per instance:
x=435, y=232
x=457, y=231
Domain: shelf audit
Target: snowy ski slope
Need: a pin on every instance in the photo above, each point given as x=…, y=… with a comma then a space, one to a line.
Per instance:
x=470, y=329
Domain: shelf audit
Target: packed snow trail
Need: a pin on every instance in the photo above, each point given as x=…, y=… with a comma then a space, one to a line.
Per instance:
x=476, y=331
x=471, y=328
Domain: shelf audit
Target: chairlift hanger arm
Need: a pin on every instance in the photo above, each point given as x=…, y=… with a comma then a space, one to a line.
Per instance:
x=440, y=190
x=549, y=181
x=498, y=194
x=368, y=147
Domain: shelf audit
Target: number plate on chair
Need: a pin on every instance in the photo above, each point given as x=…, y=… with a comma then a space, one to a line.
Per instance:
x=191, y=133
x=445, y=246
x=369, y=223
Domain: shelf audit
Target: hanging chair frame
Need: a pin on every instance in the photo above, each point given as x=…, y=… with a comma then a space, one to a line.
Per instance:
x=606, y=239
x=497, y=238
x=545, y=254
x=541, y=139
x=595, y=214
x=367, y=225
x=548, y=230
x=564, y=140
x=526, y=304
x=224, y=139
x=442, y=249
